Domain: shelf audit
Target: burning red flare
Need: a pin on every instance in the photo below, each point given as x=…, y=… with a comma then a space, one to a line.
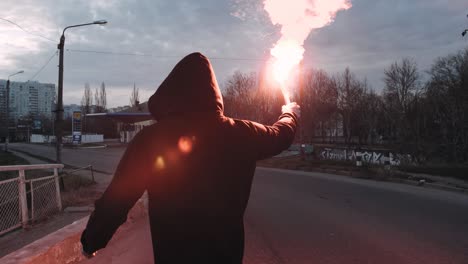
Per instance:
x=297, y=19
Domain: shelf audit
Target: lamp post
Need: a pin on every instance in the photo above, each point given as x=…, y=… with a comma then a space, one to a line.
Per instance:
x=59, y=108
x=7, y=138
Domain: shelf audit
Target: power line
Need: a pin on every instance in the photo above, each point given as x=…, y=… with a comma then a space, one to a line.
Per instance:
x=120, y=53
x=154, y=55
x=27, y=31
x=42, y=68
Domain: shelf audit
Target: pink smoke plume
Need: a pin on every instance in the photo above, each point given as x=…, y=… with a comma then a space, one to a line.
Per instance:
x=297, y=19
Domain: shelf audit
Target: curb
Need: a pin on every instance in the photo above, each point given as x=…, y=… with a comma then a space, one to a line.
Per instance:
x=355, y=174
x=63, y=246
x=434, y=186
x=95, y=147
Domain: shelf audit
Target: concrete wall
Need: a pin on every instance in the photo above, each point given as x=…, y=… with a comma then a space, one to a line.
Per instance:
x=36, y=138
x=367, y=155
x=92, y=138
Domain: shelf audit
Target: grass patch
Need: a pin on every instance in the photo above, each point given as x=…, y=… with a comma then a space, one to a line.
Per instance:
x=375, y=172
x=8, y=158
x=76, y=181
x=80, y=197
x=77, y=191
x=84, y=145
x=349, y=168
x=296, y=163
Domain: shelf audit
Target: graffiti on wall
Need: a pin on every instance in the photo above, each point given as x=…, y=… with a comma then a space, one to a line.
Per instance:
x=367, y=156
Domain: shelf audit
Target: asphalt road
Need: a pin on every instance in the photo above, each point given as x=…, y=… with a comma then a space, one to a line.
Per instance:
x=322, y=218
x=303, y=217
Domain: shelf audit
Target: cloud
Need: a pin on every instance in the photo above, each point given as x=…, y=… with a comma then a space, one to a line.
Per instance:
x=367, y=38
x=373, y=34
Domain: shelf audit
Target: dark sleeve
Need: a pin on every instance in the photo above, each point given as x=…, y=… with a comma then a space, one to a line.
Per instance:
x=263, y=141
x=127, y=186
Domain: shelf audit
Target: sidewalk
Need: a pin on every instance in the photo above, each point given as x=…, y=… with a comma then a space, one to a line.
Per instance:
x=132, y=244
x=19, y=238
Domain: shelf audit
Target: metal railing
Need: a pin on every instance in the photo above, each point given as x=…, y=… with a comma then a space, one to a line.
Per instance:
x=23, y=201
x=89, y=167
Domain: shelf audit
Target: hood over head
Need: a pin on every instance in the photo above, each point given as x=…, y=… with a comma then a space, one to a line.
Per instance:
x=191, y=87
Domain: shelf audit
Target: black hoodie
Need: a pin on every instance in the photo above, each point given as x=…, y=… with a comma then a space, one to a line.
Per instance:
x=197, y=166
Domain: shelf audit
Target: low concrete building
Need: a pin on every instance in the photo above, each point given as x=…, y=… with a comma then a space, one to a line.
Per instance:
x=130, y=121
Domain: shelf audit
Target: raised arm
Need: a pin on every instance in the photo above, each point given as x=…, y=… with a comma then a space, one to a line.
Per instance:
x=264, y=141
x=127, y=186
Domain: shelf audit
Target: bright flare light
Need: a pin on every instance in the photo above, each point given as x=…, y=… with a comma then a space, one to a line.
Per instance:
x=288, y=54
x=297, y=19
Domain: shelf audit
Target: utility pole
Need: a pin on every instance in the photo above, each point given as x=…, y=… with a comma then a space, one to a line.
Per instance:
x=59, y=108
x=7, y=138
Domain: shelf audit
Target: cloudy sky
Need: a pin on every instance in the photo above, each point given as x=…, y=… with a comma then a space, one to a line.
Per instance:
x=145, y=38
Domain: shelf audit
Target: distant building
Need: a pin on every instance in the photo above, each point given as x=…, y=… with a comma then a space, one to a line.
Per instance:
x=119, y=109
x=69, y=109
x=130, y=120
x=28, y=99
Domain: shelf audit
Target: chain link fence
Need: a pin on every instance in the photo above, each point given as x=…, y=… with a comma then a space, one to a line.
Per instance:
x=10, y=217
x=24, y=201
x=44, y=197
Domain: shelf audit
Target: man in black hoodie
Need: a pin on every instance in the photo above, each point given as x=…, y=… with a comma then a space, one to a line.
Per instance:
x=197, y=166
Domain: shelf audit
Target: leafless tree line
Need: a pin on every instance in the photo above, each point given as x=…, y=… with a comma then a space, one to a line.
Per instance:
x=100, y=100
x=420, y=113
x=103, y=126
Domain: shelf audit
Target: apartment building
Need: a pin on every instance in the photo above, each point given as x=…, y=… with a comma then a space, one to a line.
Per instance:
x=28, y=99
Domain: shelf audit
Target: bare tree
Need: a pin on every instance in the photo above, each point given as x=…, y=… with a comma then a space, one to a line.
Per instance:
x=370, y=112
x=101, y=99
x=402, y=83
x=87, y=100
x=240, y=95
x=319, y=106
x=86, y=104
x=402, y=86
x=135, y=96
x=447, y=94
x=96, y=101
x=350, y=93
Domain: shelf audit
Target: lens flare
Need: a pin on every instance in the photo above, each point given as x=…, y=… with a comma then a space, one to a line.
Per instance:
x=159, y=163
x=186, y=144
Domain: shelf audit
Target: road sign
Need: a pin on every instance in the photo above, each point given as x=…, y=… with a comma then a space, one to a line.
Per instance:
x=76, y=127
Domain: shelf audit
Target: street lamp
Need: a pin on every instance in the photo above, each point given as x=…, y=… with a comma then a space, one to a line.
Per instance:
x=59, y=109
x=7, y=138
